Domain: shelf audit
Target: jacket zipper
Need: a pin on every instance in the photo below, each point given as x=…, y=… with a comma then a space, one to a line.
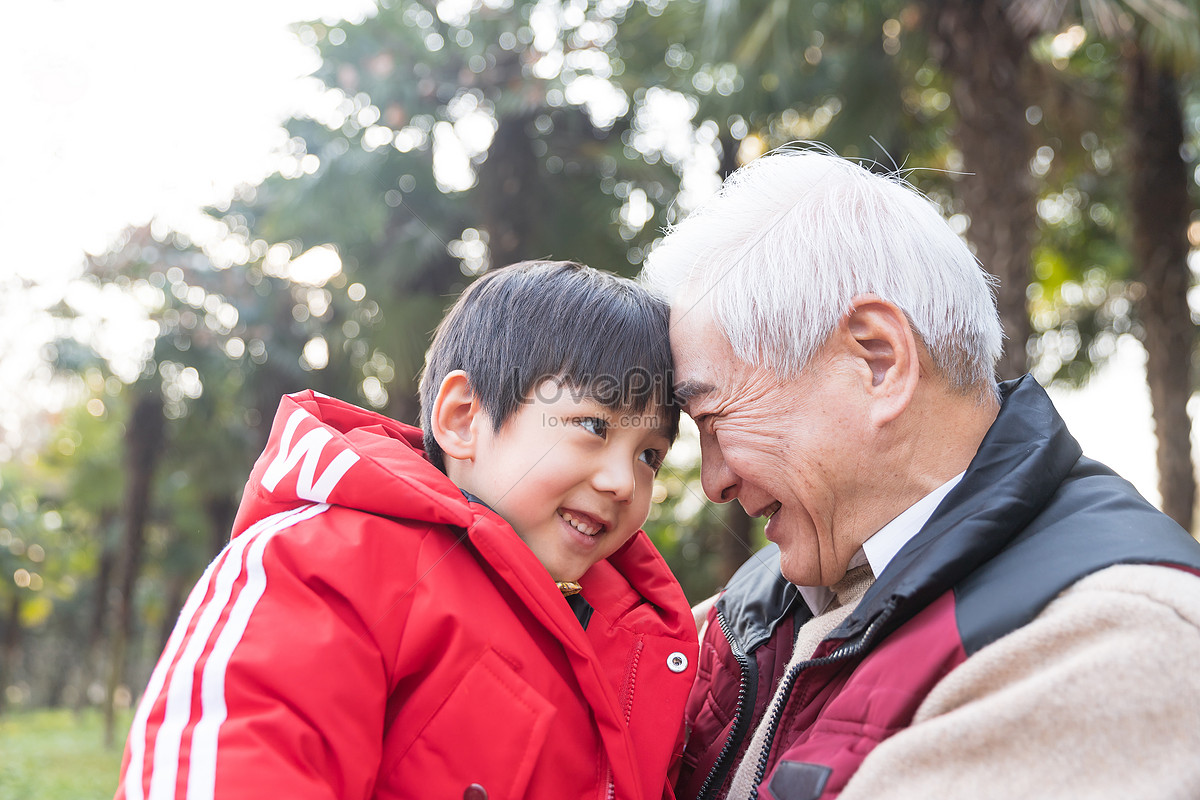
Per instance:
x=631, y=679
x=789, y=681
x=740, y=716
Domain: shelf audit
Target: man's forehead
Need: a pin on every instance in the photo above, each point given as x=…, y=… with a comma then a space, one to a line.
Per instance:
x=694, y=333
x=704, y=361
x=692, y=310
x=700, y=351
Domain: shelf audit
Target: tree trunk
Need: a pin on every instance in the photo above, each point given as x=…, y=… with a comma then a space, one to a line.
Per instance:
x=508, y=188
x=985, y=58
x=1159, y=212
x=173, y=596
x=143, y=447
x=89, y=670
x=62, y=672
x=729, y=150
x=221, y=512
x=10, y=644
x=736, y=546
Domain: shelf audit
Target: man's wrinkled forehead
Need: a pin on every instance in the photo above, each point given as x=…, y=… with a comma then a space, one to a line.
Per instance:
x=697, y=345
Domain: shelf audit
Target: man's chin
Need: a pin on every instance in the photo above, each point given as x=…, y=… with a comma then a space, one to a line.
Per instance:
x=800, y=572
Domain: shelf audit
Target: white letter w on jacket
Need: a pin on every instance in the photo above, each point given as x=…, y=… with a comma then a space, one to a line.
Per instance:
x=310, y=447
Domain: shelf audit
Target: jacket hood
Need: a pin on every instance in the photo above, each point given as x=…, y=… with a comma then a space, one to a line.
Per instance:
x=323, y=450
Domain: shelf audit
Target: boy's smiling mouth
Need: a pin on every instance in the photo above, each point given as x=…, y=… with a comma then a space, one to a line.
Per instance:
x=584, y=523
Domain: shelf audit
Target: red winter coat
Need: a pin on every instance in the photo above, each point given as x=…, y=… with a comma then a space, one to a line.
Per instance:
x=369, y=633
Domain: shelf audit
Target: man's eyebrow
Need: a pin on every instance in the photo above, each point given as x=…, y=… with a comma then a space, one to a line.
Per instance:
x=688, y=391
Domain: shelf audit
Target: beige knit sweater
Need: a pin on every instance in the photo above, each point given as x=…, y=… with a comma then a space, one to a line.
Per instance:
x=1098, y=697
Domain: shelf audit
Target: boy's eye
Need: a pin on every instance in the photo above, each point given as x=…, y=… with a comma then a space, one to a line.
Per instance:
x=593, y=425
x=653, y=457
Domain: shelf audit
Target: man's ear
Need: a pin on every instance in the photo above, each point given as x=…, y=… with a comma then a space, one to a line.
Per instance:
x=881, y=340
x=456, y=416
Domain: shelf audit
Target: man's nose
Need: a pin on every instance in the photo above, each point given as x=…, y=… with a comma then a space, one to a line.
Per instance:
x=719, y=481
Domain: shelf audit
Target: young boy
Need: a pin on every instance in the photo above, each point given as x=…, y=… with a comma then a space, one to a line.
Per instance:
x=483, y=620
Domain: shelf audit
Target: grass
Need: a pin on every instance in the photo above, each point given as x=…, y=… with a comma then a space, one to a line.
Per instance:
x=57, y=755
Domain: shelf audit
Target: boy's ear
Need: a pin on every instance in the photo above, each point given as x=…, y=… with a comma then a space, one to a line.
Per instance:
x=455, y=416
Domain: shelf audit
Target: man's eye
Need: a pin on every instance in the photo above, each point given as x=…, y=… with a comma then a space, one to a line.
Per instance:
x=593, y=425
x=653, y=457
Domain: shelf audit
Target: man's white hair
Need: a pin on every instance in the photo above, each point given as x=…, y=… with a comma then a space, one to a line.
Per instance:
x=780, y=252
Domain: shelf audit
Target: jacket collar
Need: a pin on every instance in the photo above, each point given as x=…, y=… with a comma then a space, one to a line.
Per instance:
x=757, y=598
x=1023, y=459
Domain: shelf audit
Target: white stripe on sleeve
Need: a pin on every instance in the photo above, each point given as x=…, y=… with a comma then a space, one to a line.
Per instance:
x=202, y=772
x=137, y=732
x=226, y=568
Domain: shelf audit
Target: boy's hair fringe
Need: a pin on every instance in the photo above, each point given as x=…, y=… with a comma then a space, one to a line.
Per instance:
x=518, y=326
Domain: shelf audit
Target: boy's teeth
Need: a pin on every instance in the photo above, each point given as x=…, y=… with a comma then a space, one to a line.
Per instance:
x=579, y=525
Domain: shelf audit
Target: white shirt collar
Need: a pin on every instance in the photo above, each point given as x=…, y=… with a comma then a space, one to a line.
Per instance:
x=882, y=547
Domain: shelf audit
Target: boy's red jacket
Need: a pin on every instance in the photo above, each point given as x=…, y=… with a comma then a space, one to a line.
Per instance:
x=369, y=633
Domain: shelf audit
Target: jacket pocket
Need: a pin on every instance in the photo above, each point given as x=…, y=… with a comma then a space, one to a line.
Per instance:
x=489, y=731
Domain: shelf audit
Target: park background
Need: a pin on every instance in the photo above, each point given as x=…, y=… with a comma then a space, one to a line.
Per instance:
x=210, y=205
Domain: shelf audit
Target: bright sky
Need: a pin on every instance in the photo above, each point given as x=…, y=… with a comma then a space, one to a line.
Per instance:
x=129, y=109
x=121, y=111
x=1111, y=417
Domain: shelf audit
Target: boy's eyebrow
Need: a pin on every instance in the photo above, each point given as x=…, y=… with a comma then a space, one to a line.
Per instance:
x=688, y=391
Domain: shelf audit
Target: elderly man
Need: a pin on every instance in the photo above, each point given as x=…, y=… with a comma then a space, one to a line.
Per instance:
x=956, y=602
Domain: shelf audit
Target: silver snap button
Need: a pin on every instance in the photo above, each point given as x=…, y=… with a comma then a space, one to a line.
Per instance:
x=677, y=662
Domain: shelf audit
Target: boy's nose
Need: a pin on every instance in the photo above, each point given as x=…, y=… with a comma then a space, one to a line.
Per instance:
x=615, y=476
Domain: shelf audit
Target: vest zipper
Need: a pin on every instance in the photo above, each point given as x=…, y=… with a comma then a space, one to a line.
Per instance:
x=741, y=717
x=789, y=681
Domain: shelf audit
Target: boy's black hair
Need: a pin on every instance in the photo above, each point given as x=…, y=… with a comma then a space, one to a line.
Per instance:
x=520, y=325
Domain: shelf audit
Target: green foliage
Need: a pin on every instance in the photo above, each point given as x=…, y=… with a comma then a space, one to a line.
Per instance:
x=56, y=755
x=1167, y=29
x=1081, y=298
x=544, y=170
x=47, y=551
